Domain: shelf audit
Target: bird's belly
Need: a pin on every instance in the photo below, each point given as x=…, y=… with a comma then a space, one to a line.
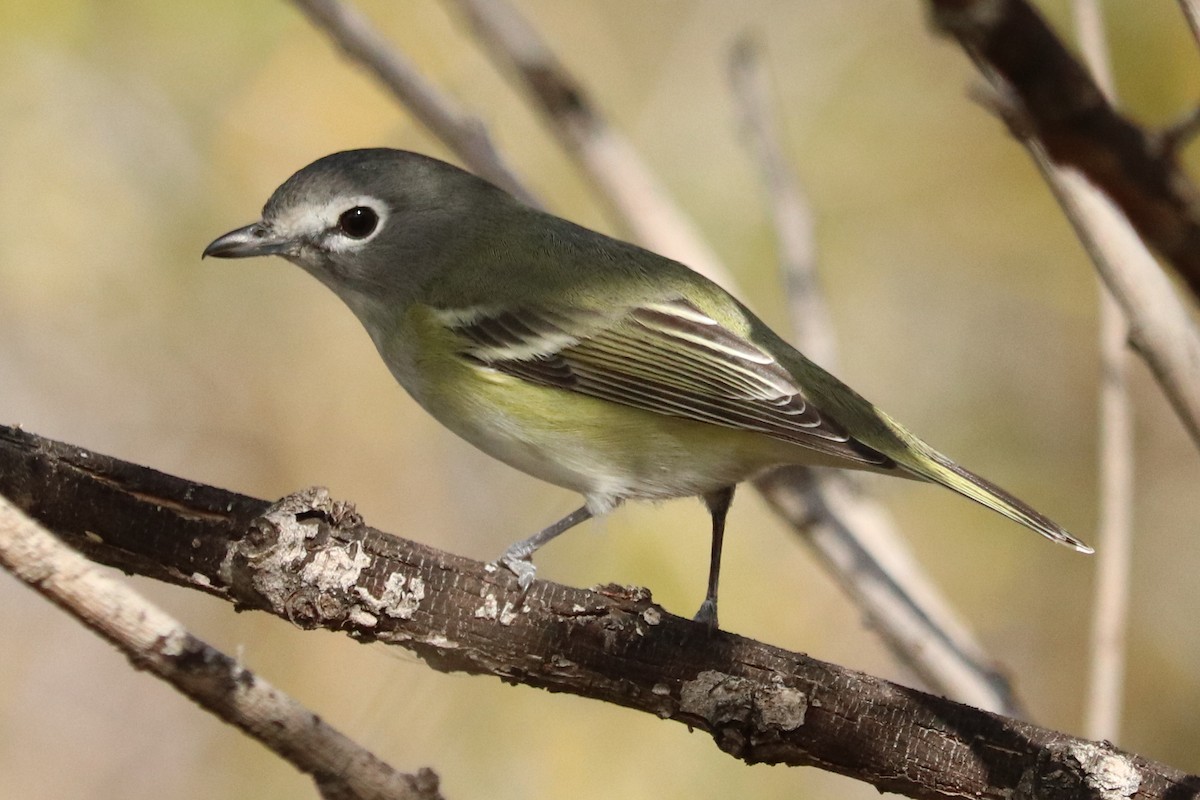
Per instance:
x=605, y=451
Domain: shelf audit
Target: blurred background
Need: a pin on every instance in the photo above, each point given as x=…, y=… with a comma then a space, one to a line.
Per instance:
x=133, y=132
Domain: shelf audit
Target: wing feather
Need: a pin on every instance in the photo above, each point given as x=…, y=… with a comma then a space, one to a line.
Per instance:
x=666, y=357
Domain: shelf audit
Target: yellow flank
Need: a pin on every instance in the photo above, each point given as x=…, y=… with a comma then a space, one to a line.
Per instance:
x=592, y=446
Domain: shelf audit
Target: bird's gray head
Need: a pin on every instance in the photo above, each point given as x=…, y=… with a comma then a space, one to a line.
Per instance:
x=367, y=223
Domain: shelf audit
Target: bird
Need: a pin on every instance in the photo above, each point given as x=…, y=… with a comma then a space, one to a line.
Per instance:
x=580, y=359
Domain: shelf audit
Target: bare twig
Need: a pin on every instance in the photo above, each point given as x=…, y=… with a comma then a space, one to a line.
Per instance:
x=1102, y=716
x=1089, y=30
x=857, y=542
x=1161, y=330
x=312, y=561
x=1191, y=10
x=812, y=325
x=623, y=180
x=1172, y=138
x=463, y=133
x=154, y=641
x=1114, y=545
x=1078, y=128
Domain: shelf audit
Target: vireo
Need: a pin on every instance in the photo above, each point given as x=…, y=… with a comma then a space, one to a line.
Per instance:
x=579, y=359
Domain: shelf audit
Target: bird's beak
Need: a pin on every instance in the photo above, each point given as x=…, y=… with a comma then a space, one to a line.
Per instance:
x=258, y=239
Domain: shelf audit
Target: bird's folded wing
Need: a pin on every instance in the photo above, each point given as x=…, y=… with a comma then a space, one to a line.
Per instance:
x=667, y=357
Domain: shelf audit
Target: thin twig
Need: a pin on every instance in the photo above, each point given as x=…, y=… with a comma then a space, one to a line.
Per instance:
x=1102, y=712
x=812, y=324
x=462, y=132
x=1114, y=539
x=1161, y=330
x=1175, y=136
x=156, y=642
x=857, y=542
x=610, y=161
x=1146, y=298
x=1191, y=10
x=1079, y=128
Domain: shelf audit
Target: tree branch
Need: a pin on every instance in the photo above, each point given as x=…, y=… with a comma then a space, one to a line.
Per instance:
x=640, y=201
x=1105, y=694
x=1191, y=12
x=154, y=641
x=465, y=134
x=312, y=561
x=1161, y=330
x=812, y=324
x=1077, y=126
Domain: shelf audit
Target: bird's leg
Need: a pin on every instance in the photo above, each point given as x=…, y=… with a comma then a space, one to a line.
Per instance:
x=718, y=503
x=517, y=558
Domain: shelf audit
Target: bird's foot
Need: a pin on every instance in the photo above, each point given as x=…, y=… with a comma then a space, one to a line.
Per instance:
x=707, y=615
x=517, y=561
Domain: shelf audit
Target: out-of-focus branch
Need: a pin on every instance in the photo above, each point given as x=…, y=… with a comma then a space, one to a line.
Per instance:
x=854, y=536
x=154, y=641
x=462, y=132
x=1161, y=330
x=610, y=161
x=1114, y=542
x=903, y=606
x=1191, y=10
x=812, y=324
x=857, y=542
x=1102, y=715
x=314, y=562
x=1069, y=116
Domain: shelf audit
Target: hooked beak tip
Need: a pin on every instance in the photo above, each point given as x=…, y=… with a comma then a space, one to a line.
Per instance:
x=256, y=239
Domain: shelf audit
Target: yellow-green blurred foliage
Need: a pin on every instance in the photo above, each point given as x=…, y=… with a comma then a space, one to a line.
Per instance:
x=132, y=132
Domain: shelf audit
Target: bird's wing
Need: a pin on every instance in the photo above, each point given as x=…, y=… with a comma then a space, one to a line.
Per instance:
x=667, y=357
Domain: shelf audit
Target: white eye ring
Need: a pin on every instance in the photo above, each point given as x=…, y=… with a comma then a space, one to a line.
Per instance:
x=352, y=222
x=321, y=223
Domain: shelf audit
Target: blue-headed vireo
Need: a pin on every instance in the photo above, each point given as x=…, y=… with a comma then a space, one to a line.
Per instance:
x=582, y=360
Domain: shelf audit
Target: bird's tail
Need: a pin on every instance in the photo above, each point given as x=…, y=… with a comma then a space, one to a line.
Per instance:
x=940, y=469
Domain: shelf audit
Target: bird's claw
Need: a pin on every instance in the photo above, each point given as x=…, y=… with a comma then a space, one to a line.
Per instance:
x=520, y=566
x=707, y=615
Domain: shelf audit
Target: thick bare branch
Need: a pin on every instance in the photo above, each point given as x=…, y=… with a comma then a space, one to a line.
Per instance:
x=312, y=561
x=154, y=641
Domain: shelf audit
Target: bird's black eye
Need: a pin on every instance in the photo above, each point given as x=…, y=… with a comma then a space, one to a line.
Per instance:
x=359, y=222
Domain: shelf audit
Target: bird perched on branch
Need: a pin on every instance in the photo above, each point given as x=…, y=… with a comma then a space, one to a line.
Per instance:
x=577, y=358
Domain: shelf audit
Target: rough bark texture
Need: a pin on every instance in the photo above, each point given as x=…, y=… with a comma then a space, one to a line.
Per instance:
x=154, y=641
x=312, y=561
x=1078, y=127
